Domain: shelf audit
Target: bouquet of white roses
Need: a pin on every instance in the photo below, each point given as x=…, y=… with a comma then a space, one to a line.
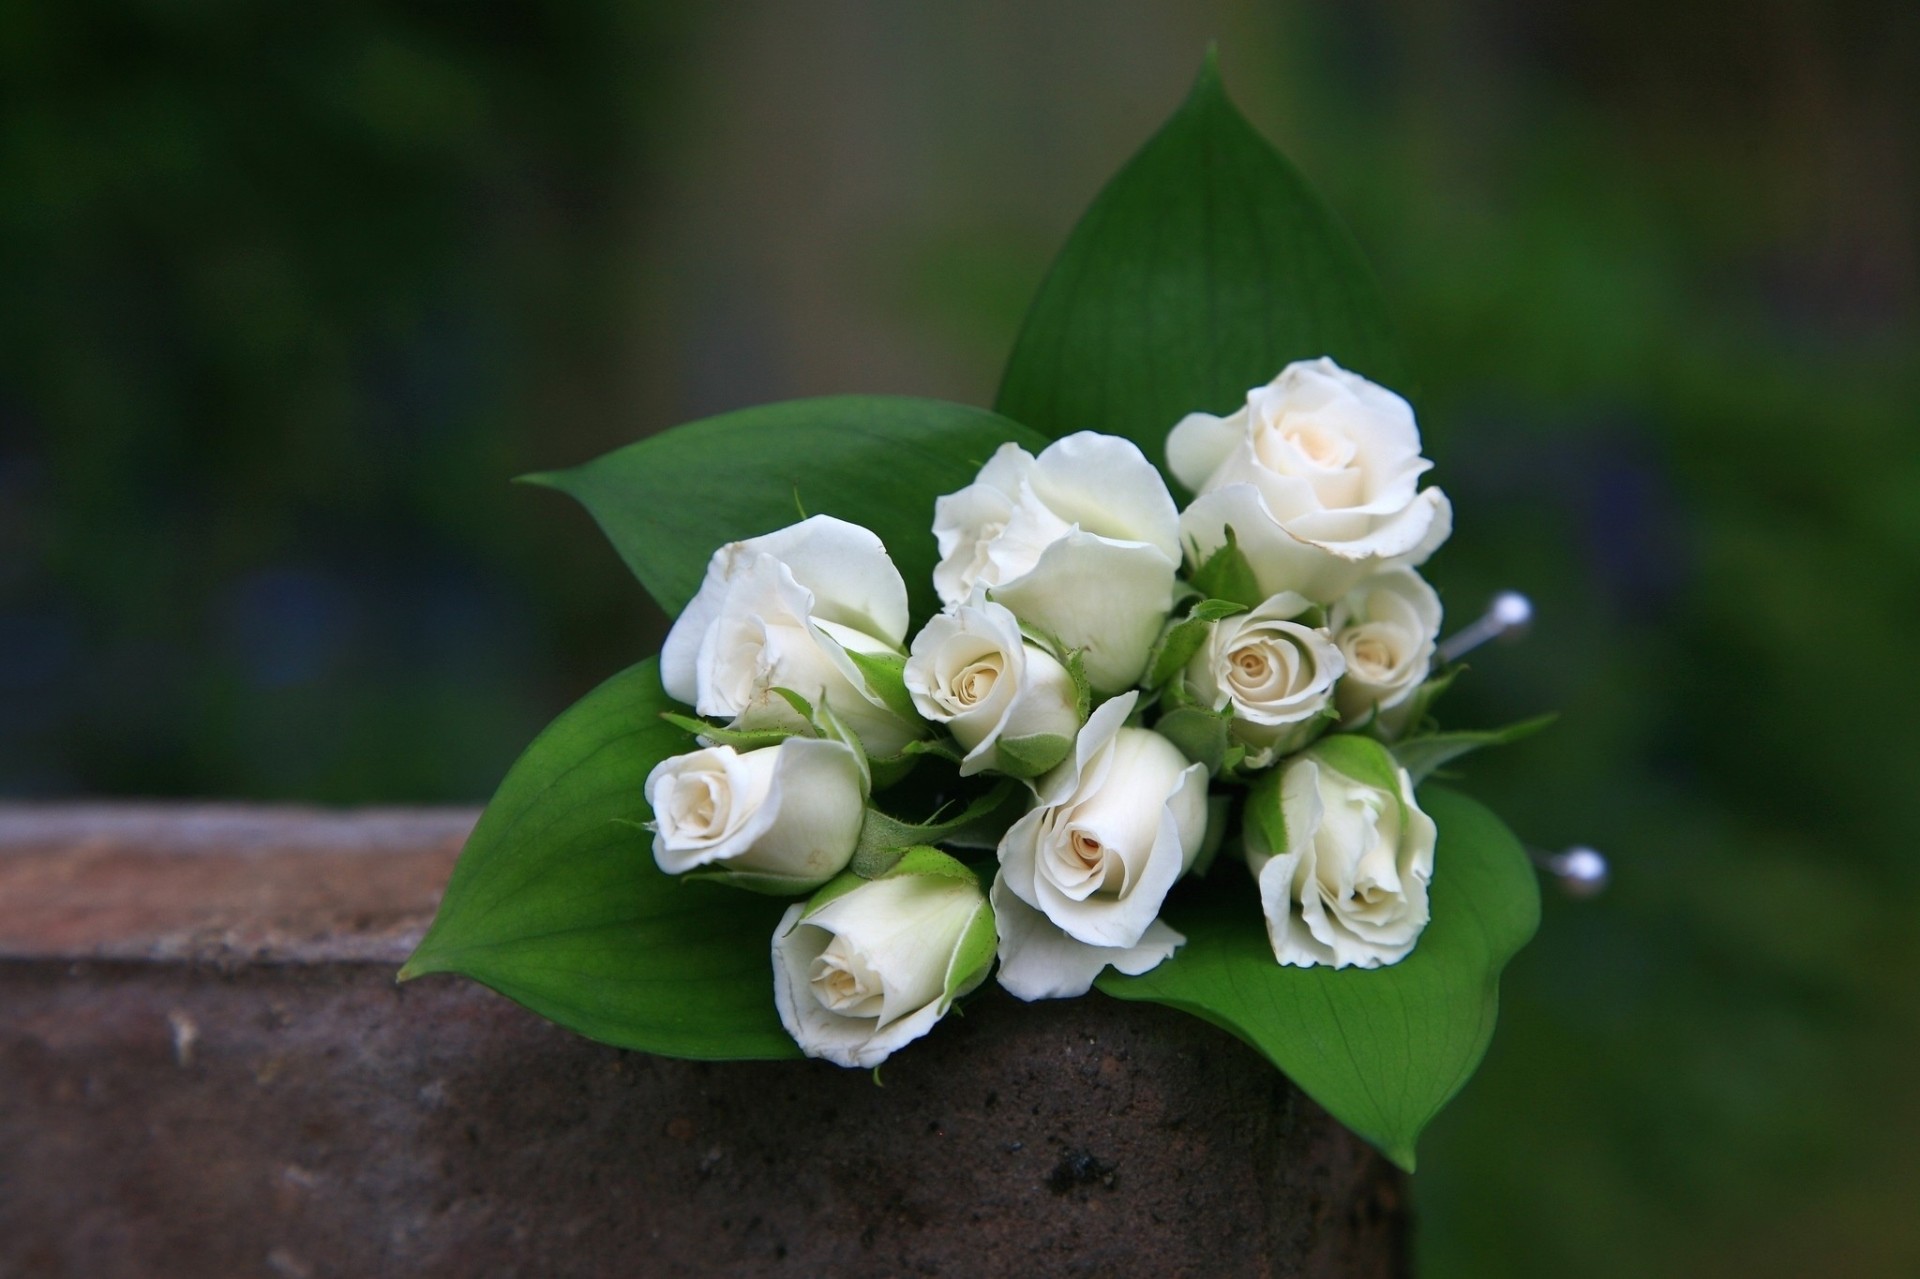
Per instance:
x=1002, y=700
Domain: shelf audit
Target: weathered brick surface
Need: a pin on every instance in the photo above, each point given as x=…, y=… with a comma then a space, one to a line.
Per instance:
x=224, y=1080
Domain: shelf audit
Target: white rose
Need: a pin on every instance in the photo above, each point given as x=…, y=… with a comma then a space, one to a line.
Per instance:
x=870, y=965
x=1081, y=542
x=973, y=671
x=1318, y=478
x=1117, y=823
x=781, y=819
x=1344, y=862
x=1387, y=628
x=1274, y=674
x=783, y=611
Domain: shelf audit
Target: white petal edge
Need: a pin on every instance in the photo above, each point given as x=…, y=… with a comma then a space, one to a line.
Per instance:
x=1038, y=961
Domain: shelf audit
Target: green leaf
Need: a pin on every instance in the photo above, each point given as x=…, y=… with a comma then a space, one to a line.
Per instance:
x=557, y=904
x=1420, y=756
x=1227, y=575
x=1383, y=1049
x=1205, y=266
x=670, y=501
x=1030, y=756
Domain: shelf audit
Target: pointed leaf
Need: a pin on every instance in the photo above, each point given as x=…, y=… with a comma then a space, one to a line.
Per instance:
x=557, y=904
x=1205, y=266
x=670, y=501
x=1420, y=756
x=1383, y=1049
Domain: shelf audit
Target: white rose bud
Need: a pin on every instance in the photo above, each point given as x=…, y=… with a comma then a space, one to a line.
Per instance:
x=1387, y=628
x=1343, y=856
x=1081, y=542
x=1009, y=704
x=870, y=965
x=1276, y=676
x=1318, y=477
x=1118, y=822
x=782, y=819
x=784, y=611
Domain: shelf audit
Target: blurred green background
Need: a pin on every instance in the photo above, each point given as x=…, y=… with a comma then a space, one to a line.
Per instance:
x=287, y=294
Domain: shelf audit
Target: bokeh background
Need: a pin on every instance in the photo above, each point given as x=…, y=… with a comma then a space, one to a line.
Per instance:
x=288, y=294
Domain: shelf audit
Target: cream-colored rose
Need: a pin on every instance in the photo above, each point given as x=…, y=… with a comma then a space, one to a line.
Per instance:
x=781, y=819
x=870, y=965
x=1387, y=629
x=784, y=611
x=974, y=672
x=1318, y=477
x=1343, y=856
x=1081, y=542
x=1274, y=674
x=1117, y=823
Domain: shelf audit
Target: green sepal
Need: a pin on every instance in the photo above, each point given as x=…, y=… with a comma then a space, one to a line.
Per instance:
x=1263, y=822
x=884, y=839
x=1199, y=733
x=1361, y=758
x=1029, y=757
x=1422, y=755
x=752, y=881
x=801, y=706
x=922, y=860
x=974, y=954
x=1184, y=637
x=1419, y=708
x=741, y=739
x=1211, y=610
x=839, y=886
x=1178, y=643
x=1219, y=817
x=885, y=675
x=1076, y=664
x=890, y=771
x=1226, y=575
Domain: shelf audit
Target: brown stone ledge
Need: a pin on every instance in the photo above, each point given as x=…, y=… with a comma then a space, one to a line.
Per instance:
x=206, y=1069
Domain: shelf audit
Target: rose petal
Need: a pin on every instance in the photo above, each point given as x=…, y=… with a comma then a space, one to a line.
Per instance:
x=1038, y=961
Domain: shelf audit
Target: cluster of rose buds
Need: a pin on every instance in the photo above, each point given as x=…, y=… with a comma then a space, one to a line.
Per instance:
x=1147, y=685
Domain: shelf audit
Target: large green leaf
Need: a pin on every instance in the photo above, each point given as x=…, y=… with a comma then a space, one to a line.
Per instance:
x=1383, y=1049
x=668, y=502
x=1202, y=269
x=557, y=904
